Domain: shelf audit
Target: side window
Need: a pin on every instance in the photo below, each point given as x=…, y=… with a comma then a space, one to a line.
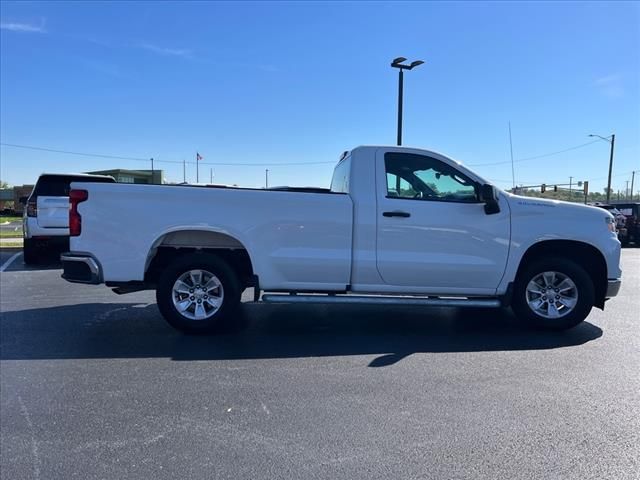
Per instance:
x=340, y=180
x=425, y=178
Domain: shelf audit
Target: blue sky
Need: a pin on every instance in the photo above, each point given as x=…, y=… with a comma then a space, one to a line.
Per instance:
x=276, y=82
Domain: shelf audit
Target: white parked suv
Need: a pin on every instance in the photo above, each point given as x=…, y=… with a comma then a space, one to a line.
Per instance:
x=45, y=220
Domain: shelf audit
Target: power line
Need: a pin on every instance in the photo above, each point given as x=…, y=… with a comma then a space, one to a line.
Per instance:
x=138, y=159
x=534, y=157
x=99, y=155
x=548, y=183
x=612, y=176
x=29, y=147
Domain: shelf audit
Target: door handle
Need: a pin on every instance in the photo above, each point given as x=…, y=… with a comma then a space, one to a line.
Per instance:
x=396, y=214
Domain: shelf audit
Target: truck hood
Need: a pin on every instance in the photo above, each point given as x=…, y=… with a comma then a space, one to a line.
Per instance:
x=532, y=206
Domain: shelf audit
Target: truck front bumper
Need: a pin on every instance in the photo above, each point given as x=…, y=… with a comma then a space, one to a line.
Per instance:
x=613, y=287
x=80, y=268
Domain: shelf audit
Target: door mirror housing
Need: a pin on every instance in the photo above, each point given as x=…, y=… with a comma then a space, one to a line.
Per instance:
x=489, y=196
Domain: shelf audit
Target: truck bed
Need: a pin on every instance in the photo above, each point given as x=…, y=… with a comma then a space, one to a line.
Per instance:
x=294, y=236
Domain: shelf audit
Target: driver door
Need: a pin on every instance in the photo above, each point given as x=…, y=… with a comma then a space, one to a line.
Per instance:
x=433, y=234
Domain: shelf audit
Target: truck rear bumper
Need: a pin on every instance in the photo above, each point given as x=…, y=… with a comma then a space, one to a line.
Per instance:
x=613, y=287
x=81, y=268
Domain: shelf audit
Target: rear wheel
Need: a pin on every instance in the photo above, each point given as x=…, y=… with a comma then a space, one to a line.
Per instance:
x=198, y=293
x=553, y=293
x=30, y=252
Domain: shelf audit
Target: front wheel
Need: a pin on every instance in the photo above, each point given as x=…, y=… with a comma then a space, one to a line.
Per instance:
x=198, y=293
x=553, y=293
x=624, y=240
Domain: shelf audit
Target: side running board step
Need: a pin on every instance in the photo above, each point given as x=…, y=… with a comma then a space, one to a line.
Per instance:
x=383, y=300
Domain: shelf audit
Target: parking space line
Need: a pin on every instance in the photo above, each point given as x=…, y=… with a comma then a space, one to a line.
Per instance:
x=6, y=264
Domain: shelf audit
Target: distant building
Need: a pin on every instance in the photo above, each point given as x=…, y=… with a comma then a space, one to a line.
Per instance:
x=10, y=197
x=6, y=198
x=133, y=176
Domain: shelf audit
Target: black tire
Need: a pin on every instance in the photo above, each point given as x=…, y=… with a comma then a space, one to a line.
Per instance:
x=30, y=252
x=579, y=276
x=230, y=286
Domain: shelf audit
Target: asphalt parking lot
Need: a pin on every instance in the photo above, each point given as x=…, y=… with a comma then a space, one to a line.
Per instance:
x=96, y=385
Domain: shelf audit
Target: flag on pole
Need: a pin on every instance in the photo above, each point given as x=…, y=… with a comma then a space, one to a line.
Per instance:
x=198, y=158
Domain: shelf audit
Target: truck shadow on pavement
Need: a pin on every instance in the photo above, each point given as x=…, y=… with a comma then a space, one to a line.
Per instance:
x=126, y=330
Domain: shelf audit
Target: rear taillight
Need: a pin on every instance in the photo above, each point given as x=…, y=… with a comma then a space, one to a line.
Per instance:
x=75, y=220
x=32, y=208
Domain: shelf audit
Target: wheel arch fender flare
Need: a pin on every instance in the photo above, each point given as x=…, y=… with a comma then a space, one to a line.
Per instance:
x=584, y=254
x=199, y=237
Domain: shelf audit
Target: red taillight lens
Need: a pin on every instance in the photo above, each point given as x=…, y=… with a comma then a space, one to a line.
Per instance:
x=32, y=208
x=75, y=220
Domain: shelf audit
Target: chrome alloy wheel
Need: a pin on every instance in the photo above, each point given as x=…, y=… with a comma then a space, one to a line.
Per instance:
x=552, y=294
x=197, y=294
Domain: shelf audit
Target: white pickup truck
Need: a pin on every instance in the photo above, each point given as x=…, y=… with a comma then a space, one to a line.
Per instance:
x=398, y=226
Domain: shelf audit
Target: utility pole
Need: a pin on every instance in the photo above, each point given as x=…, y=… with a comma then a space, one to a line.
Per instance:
x=152, y=170
x=570, y=186
x=184, y=171
x=612, y=141
x=397, y=63
x=211, y=175
x=633, y=176
x=626, y=191
x=197, y=169
x=266, y=178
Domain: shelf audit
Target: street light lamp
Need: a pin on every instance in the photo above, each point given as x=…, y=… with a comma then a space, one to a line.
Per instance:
x=398, y=63
x=612, y=140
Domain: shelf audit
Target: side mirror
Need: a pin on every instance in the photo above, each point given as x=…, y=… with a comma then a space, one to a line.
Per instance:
x=489, y=196
x=23, y=200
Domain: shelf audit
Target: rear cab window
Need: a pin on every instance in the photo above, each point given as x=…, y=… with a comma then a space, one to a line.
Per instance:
x=341, y=174
x=59, y=185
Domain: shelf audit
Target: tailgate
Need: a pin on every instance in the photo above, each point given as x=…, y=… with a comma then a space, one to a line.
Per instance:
x=53, y=212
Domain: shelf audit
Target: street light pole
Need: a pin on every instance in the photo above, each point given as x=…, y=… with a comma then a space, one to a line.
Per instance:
x=612, y=141
x=400, y=94
x=397, y=63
